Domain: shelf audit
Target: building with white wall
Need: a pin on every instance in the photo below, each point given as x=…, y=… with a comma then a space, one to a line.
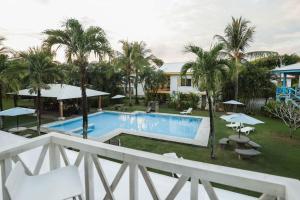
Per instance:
x=176, y=83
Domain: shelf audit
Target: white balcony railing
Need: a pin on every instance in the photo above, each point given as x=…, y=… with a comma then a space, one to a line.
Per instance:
x=271, y=187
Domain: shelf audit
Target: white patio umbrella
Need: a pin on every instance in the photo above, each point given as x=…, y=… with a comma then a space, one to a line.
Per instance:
x=241, y=118
x=119, y=96
x=16, y=112
x=233, y=102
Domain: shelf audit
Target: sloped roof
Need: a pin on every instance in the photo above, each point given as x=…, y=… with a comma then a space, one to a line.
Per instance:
x=62, y=91
x=172, y=67
x=294, y=68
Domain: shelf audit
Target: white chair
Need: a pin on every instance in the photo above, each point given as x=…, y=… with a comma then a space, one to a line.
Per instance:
x=246, y=130
x=173, y=155
x=59, y=184
x=187, y=112
x=235, y=125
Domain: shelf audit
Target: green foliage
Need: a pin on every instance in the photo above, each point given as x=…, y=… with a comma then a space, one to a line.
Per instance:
x=152, y=80
x=182, y=101
x=41, y=69
x=105, y=77
x=255, y=82
x=271, y=62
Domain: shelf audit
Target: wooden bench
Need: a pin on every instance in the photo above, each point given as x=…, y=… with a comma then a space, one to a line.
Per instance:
x=223, y=142
x=247, y=153
x=254, y=145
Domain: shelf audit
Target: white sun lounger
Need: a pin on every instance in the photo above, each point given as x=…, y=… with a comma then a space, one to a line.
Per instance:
x=187, y=112
x=58, y=184
x=246, y=130
x=234, y=125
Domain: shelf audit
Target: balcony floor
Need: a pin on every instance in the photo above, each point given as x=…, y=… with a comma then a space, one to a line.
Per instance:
x=162, y=183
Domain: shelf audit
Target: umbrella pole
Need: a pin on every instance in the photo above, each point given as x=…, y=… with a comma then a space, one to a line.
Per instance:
x=17, y=122
x=240, y=131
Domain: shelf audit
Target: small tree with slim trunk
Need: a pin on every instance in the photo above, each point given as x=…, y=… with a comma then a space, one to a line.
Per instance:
x=41, y=70
x=79, y=43
x=287, y=112
x=205, y=70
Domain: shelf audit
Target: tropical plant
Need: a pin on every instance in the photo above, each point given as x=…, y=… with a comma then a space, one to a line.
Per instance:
x=109, y=77
x=3, y=49
x=287, y=112
x=41, y=71
x=259, y=79
x=125, y=60
x=142, y=57
x=237, y=38
x=8, y=74
x=205, y=71
x=79, y=43
x=152, y=80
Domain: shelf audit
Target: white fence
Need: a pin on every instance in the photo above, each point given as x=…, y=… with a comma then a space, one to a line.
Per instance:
x=271, y=187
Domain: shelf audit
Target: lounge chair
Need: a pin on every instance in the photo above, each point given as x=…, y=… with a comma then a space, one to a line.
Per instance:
x=223, y=142
x=254, y=145
x=247, y=153
x=148, y=110
x=187, y=112
x=173, y=155
x=63, y=183
x=246, y=130
x=234, y=125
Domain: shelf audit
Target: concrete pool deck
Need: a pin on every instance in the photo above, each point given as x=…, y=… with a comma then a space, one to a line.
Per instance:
x=201, y=137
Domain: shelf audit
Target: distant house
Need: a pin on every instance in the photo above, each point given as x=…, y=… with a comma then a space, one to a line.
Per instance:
x=176, y=83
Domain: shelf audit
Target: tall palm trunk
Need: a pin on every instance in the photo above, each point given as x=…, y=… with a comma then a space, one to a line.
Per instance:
x=84, y=100
x=1, y=105
x=212, y=126
x=136, y=87
x=129, y=90
x=38, y=111
x=236, y=80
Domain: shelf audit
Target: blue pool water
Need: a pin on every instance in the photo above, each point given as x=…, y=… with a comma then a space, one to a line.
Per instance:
x=103, y=123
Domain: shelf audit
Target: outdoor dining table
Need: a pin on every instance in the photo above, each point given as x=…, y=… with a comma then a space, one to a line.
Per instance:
x=239, y=139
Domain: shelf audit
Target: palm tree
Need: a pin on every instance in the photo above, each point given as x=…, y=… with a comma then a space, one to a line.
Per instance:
x=79, y=44
x=142, y=58
x=8, y=74
x=125, y=60
x=237, y=38
x=205, y=71
x=41, y=70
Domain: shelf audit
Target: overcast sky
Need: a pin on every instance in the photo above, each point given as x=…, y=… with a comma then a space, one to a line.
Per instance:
x=165, y=25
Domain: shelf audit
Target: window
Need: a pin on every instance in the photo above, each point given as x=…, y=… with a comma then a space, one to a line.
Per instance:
x=186, y=81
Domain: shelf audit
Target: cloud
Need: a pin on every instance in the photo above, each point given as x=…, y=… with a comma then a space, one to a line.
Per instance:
x=166, y=26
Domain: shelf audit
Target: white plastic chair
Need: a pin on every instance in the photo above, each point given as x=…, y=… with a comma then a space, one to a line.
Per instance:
x=173, y=155
x=59, y=184
x=235, y=125
x=246, y=130
x=187, y=112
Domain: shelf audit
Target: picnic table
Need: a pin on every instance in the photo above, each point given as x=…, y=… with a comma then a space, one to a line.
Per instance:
x=239, y=139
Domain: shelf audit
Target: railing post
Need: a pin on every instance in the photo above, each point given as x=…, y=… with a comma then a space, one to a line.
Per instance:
x=89, y=177
x=6, y=167
x=194, y=188
x=54, y=156
x=133, y=181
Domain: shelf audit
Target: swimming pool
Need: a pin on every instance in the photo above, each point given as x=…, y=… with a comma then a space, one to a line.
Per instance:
x=160, y=126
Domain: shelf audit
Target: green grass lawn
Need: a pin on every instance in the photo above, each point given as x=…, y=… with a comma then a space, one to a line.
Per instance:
x=280, y=154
